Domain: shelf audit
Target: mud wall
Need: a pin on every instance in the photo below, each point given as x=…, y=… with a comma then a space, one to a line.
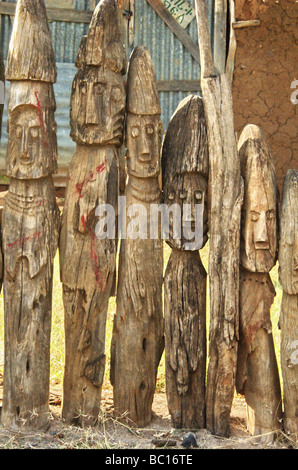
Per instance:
x=265, y=67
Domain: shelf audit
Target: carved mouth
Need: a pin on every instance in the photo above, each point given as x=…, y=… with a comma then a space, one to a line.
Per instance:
x=25, y=159
x=261, y=245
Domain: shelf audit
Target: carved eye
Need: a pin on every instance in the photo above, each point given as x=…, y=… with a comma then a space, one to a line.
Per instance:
x=171, y=195
x=19, y=132
x=116, y=94
x=150, y=130
x=270, y=214
x=135, y=132
x=198, y=195
x=34, y=132
x=99, y=89
x=182, y=195
x=254, y=216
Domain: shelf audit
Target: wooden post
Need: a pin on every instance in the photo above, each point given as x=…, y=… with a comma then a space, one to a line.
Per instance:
x=288, y=267
x=31, y=220
x=225, y=194
x=137, y=342
x=185, y=182
x=257, y=372
x=88, y=256
x=2, y=81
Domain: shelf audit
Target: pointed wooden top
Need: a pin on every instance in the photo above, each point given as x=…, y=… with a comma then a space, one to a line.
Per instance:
x=103, y=45
x=142, y=94
x=31, y=55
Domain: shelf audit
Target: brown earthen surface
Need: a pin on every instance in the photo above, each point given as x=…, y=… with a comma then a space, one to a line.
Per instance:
x=265, y=67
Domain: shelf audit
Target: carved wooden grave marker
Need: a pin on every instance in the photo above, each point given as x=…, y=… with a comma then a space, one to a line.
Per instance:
x=185, y=181
x=31, y=219
x=257, y=372
x=88, y=262
x=288, y=277
x=137, y=342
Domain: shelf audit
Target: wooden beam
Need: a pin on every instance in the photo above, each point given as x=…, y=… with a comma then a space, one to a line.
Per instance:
x=54, y=14
x=181, y=34
x=179, y=85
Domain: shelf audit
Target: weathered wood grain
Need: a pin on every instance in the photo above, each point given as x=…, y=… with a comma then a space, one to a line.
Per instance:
x=138, y=333
x=288, y=277
x=185, y=181
x=87, y=259
x=31, y=220
x=257, y=372
x=225, y=194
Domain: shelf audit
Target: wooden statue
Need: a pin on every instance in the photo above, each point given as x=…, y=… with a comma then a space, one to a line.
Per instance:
x=185, y=181
x=288, y=276
x=225, y=200
x=87, y=260
x=2, y=81
x=31, y=220
x=257, y=372
x=138, y=342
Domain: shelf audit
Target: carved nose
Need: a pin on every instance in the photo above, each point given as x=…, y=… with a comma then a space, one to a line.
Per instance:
x=261, y=234
x=24, y=146
x=145, y=155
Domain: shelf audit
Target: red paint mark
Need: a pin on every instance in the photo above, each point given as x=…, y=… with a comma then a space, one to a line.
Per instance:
x=80, y=186
x=21, y=241
x=83, y=220
x=40, y=115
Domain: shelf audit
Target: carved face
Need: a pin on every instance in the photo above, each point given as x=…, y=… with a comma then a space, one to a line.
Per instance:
x=288, y=249
x=143, y=145
x=188, y=189
x=32, y=147
x=97, y=107
x=259, y=225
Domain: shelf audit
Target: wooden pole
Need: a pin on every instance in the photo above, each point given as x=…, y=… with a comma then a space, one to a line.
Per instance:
x=225, y=194
x=2, y=81
x=185, y=182
x=257, y=371
x=31, y=220
x=288, y=265
x=88, y=256
x=137, y=342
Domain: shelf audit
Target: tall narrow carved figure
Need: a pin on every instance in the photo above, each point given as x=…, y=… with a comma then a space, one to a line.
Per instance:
x=257, y=372
x=288, y=277
x=87, y=258
x=31, y=219
x=185, y=182
x=137, y=342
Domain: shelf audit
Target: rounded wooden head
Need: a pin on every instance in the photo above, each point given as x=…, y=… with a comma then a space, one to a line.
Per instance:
x=288, y=244
x=143, y=123
x=31, y=55
x=185, y=167
x=32, y=144
x=260, y=206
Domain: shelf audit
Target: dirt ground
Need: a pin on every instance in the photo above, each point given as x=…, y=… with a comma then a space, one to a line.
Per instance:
x=111, y=434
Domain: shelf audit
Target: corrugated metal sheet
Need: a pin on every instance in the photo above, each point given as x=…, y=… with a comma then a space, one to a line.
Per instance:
x=171, y=60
